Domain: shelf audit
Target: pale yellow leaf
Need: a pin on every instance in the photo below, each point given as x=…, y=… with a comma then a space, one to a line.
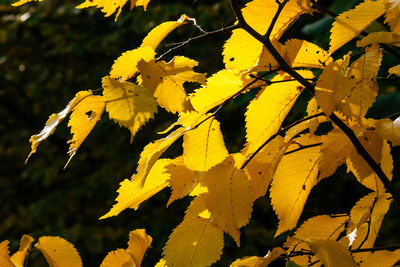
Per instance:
x=21, y=2
x=229, y=197
x=126, y=65
x=54, y=120
x=132, y=193
x=128, y=104
x=350, y=23
x=379, y=38
x=331, y=253
x=395, y=70
x=301, y=53
x=255, y=261
x=58, y=252
x=219, y=87
x=267, y=111
x=139, y=242
x=118, y=258
x=5, y=255
x=83, y=118
x=204, y=147
x=294, y=178
x=157, y=34
x=18, y=258
x=263, y=166
x=165, y=81
x=335, y=149
x=383, y=258
x=196, y=242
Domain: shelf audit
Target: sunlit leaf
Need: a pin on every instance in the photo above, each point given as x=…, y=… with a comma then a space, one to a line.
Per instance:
x=21, y=2
x=139, y=242
x=255, y=261
x=118, y=258
x=305, y=54
x=392, y=16
x=380, y=38
x=383, y=258
x=5, y=255
x=331, y=253
x=18, y=258
x=58, y=252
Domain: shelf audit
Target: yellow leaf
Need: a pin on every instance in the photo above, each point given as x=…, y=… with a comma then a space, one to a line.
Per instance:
x=379, y=38
x=203, y=147
x=381, y=258
x=18, y=258
x=389, y=130
x=312, y=109
x=331, y=253
x=157, y=34
x=126, y=65
x=139, y=242
x=219, y=87
x=259, y=13
x=395, y=70
x=335, y=149
x=58, y=252
x=267, y=61
x=350, y=23
x=83, y=118
x=54, y=120
x=182, y=180
x=128, y=104
x=263, y=166
x=305, y=54
x=21, y=2
x=392, y=16
x=196, y=241
x=255, y=261
x=118, y=258
x=294, y=178
x=267, y=111
x=5, y=255
x=165, y=81
x=132, y=193
x=240, y=41
x=161, y=263
x=229, y=197
x=152, y=152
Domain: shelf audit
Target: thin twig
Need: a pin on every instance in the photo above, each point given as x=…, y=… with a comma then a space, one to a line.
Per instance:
x=302, y=147
x=275, y=18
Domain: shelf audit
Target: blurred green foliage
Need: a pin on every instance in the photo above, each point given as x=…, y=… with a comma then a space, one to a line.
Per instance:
x=50, y=50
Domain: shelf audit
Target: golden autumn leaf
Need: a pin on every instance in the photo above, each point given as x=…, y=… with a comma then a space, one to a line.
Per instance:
x=165, y=81
x=392, y=16
x=21, y=2
x=58, y=252
x=312, y=109
x=294, y=178
x=389, y=130
x=54, y=120
x=5, y=260
x=196, y=239
x=18, y=258
x=204, y=147
x=350, y=23
x=267, y=111
x=263, y=166
x=229, y=197
x=331, y=253
x=254, y=261
x=133, y=193
x=118, y=258
x=379, y=38
x=125, y=67
x=139, y=242
x=381, y=258
x=83, y=118
x=219, y=87
x=128, y=104
x=301, y=53
x=157, y=34
x=395, y=70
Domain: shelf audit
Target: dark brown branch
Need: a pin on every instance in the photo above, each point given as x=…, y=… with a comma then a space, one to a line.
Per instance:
x=279, y=133
x=302, y=147
x=197, y=38
x=339, y=123
x=275, y=18
x=394, y=247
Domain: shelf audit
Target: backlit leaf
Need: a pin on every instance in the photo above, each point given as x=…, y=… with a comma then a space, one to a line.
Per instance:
x=5, y=255
x=305, y=54
x=21, y=2
x=133, y=193
x=294, y=178
x=54, y=120
x=203, y=147
x=255, y=261
x=381, y=258
x=331, y=253
x=139, y=242
x=128, y=104
x=165, y=81
x=350, y=23
x=58, y=252
x=379, y=38
x=18, y=258
x=126, y=65
x=118, y=258
x=392, y=16
x=389, y=130
x=229, y=197
x=83, y=118
x=395, y=70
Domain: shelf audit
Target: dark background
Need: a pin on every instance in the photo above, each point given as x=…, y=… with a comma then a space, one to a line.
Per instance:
x=49, y=51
